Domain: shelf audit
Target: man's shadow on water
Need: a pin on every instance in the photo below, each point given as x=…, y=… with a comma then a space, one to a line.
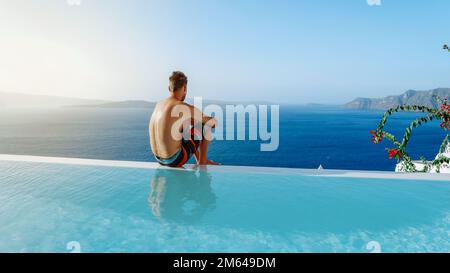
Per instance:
x=182, y=196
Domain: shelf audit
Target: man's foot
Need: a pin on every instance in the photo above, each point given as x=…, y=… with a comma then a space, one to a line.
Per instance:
x=209, y=162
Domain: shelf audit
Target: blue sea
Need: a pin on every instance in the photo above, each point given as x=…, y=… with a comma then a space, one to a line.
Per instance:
x=333, y=137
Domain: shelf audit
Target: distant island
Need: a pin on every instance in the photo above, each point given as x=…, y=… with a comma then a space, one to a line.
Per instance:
x=14, y=100
x=21, y=100
x=409, y=97
x=151, y=104
x=120, y=104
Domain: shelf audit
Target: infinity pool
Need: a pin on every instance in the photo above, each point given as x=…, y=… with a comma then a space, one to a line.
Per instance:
x=72, y=206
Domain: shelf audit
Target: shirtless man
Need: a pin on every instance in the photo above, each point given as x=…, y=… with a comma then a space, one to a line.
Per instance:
x=171, y=145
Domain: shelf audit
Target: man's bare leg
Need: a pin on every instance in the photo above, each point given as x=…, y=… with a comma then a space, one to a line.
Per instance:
x=197, y=156
x=204, y=145
x=202, y=152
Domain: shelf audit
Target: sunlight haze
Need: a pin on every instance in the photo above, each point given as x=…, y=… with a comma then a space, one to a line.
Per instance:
x=283, y=51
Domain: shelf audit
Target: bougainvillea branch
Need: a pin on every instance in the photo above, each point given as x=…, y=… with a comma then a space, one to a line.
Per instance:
x=399, y=152
x=444, y=144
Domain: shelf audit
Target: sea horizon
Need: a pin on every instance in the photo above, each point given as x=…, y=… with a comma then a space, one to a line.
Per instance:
x=331, y=137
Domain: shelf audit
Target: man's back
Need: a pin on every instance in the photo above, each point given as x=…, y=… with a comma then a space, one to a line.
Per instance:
x=162, y=142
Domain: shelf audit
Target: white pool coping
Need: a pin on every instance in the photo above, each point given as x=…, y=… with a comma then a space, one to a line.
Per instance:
x=227, y=168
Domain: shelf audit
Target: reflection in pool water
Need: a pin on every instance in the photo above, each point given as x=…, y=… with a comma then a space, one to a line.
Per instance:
x=181, y=195
x=115, y=209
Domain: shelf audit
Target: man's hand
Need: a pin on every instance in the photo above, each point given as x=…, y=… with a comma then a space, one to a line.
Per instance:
x=211, y=122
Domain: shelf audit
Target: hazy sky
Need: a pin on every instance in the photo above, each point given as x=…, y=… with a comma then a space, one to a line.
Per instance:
x=283, y=51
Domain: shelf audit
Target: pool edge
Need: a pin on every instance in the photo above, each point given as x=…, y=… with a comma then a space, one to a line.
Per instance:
x=229, y=168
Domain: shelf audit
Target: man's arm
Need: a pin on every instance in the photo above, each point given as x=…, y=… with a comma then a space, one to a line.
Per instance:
x=198, y=116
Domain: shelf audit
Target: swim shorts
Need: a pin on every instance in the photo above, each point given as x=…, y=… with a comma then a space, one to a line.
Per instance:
x=188, y=148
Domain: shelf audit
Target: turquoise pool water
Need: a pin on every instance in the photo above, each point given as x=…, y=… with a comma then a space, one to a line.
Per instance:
x=48, y=207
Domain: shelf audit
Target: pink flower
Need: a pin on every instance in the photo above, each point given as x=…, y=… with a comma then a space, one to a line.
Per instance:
x=394, y=153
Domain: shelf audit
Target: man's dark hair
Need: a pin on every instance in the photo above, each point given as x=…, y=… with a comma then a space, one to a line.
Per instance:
x=177, y=81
